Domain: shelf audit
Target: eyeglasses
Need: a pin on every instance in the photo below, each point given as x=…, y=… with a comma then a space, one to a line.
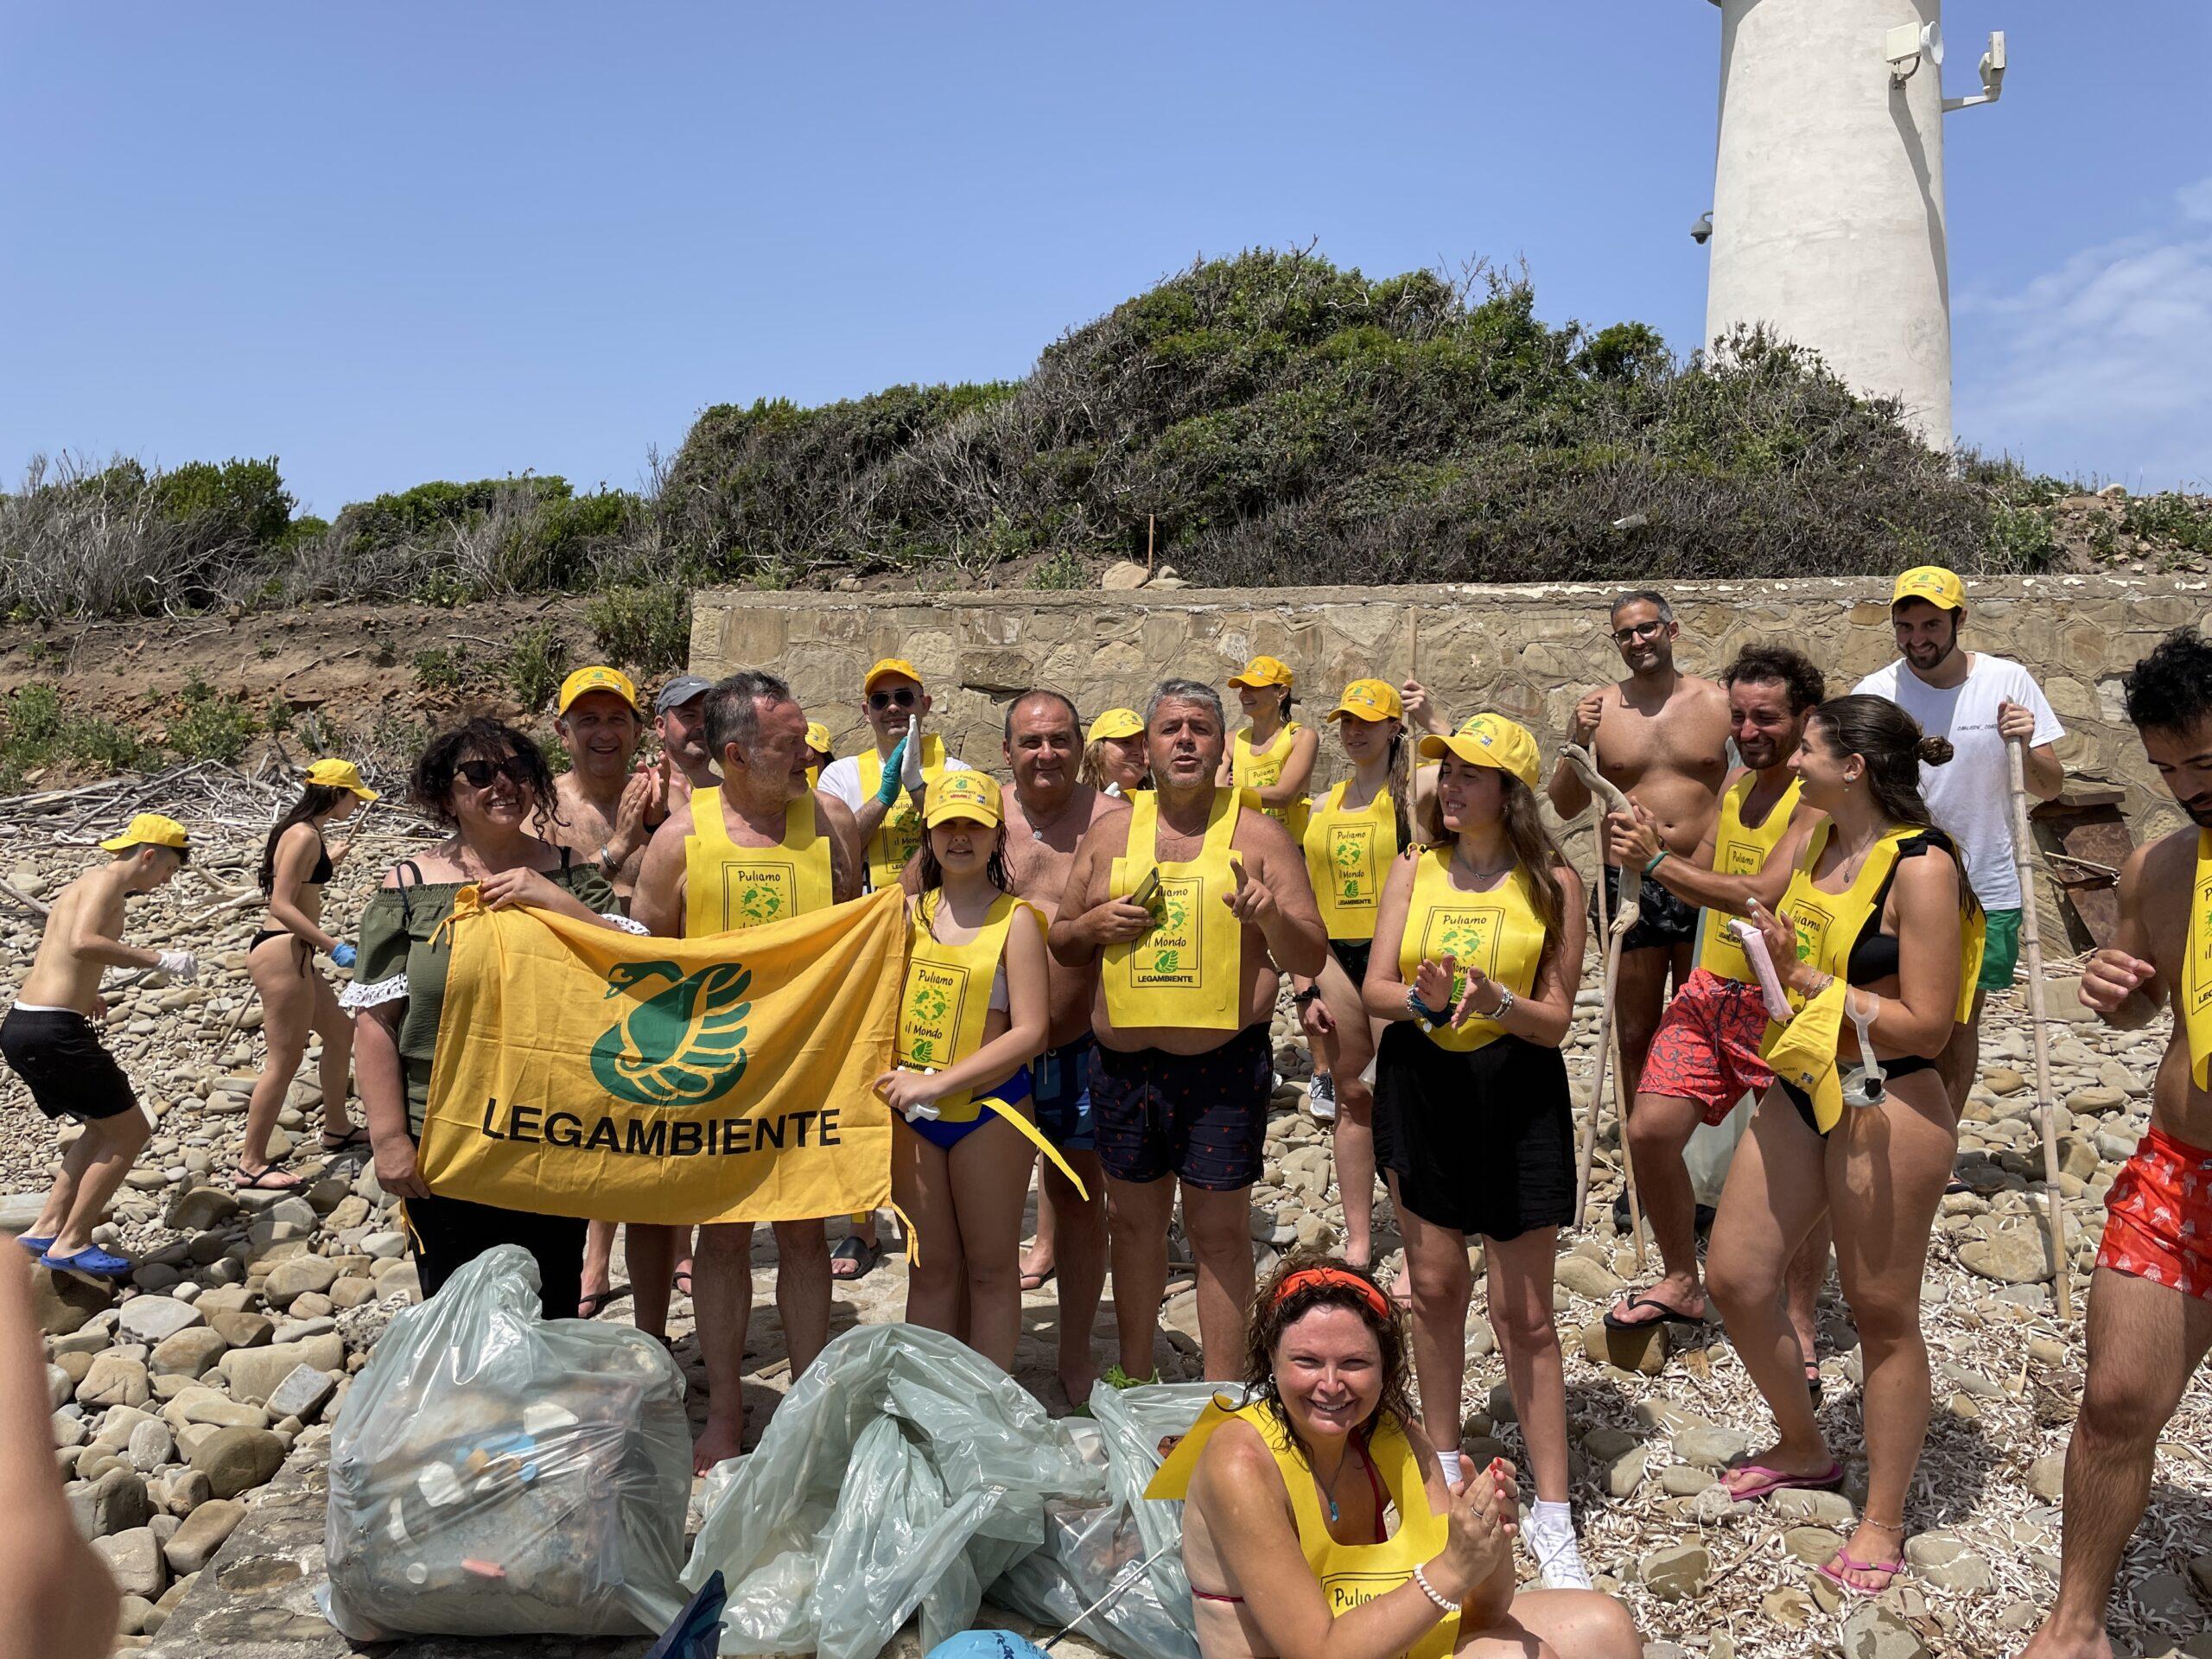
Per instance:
x=901, y=698
x=478, y=774
x=1640, y=631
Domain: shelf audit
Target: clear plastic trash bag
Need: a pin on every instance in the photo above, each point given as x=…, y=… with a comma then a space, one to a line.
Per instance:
x=1089, y=1542
x=496, y=1473
x=903, y=1471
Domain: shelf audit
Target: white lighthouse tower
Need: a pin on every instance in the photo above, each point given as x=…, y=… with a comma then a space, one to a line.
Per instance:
x=1827, y=221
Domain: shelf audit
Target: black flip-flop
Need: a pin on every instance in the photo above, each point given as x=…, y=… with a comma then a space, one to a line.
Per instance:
x=681, y=1282
x=357, y=1136
x=285, y=1181
x=1813, y=1381
x=592, y=1305
x=862, y=1253
x=1667, y=1316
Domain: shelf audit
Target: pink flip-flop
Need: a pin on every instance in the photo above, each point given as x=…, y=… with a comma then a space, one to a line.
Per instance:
x=1888, y=1569
x=1774, y=1480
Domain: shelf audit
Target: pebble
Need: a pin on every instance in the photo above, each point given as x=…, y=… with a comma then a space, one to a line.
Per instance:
x=149, y=1319
x=203, y=1533
x=1675, y=1574
x=235, y=1460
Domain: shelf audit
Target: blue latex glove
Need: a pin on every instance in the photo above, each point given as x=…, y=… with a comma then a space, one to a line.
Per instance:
x=887, y=791
x=343, y=953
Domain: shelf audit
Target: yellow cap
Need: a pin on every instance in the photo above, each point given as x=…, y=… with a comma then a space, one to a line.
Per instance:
x=1489, y=740
x=890, y=666
x=340, y=774
x=1116, y=723
x=1932, y=582
x=817, y=736
x=150, y=830
x=973, y=796
x=1262, y=671
x=597, y=678
x=1802, y=1054
x=1371, y=700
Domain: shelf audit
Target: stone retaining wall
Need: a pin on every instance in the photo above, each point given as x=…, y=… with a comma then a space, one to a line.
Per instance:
x=1526, y=652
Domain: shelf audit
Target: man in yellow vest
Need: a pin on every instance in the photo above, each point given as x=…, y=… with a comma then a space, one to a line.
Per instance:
x=762, y=847
x=1705, y=1056
x=883, y=785
x=1193, y=907
x=2150, y=1322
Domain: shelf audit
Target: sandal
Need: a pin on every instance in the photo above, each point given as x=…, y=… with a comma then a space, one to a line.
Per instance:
x=1771, y=1481
x=857, y=1255
x=1037, y=1280
x=594, y=1303
x=1813, y=1381
x=270, y=1180
x=1888, y=1569
x=682, y=1281
x=1664, y=1315
x=356, y=1136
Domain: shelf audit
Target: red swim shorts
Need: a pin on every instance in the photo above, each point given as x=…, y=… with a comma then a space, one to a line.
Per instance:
x=2158, y=1220
x=1707, y=1048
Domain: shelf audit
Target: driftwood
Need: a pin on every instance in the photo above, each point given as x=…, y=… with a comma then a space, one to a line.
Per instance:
x=2053, y=1207
x=1608, y=798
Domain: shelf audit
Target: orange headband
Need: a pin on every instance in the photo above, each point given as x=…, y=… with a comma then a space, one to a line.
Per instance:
x=1335, y=1278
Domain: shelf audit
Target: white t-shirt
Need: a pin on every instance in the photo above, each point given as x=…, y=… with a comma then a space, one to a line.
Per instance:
x=842, y=778
x=1971, y=797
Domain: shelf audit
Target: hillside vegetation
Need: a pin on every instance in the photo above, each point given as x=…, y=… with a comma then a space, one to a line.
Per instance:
x=1266, y=419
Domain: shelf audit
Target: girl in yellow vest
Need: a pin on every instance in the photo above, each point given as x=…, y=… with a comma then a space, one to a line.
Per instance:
x=1351, y=836
x=1878, y=943
x=973, y=1016
x=1317, y=1519
x=1272, y=757
x=1114, y=759
x=1477, y=952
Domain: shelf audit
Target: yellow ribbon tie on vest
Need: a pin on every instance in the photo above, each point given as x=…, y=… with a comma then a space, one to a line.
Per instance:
x=585, y=1071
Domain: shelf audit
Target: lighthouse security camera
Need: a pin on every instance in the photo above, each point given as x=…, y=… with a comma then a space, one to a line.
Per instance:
x=1701, y=229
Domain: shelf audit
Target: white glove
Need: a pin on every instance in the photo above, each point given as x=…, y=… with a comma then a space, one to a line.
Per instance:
x=178, y=964
x=910, y=767
x=927, y=1109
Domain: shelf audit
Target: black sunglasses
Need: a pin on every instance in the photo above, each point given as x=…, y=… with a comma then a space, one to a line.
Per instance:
x=902, y=698
x=1641, y=630
x=478, y=774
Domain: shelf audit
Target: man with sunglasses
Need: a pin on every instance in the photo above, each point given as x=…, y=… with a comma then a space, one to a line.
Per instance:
x=1662, y=736
x=877, y=784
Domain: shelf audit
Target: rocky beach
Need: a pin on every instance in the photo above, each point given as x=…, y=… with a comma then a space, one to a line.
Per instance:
x=180, y=1394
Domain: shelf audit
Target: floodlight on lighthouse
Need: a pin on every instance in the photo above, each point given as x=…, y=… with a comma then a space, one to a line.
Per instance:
x=1993, y=77
x=1906, y=45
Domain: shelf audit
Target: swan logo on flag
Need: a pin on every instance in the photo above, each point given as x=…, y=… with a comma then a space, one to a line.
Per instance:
x=683, y=1044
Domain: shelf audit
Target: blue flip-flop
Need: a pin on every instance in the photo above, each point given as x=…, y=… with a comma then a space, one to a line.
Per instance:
x=35, y=1246
x=93, y=1259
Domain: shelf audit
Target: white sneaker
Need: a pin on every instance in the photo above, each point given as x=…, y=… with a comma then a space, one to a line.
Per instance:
x=1321, y=1097
x=1558, y=1557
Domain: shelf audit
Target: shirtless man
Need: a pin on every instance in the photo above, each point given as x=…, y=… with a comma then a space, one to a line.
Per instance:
x=2150, y=1319
x=1048, y=812
x=1662, y=736
x=48, y=1039
x=680, y=723
x=1706, y=1057
x=1180, y=1078
x=606, y=815
x=758, y=734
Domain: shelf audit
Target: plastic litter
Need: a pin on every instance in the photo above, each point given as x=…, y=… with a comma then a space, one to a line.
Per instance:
x=986, y=1644
x=495, y=1473
x=902, y=1472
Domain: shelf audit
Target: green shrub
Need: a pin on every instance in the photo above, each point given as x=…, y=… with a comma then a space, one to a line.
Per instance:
x=535, y=664
x=1060, y=573
x=246, y=498
x=436, y=668
x=2183, y=520
x=213, y=725
x=647, y=628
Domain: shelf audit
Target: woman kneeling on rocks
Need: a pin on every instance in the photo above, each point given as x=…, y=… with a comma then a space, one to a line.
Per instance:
x=1318, y=1524
x=1878, y=943
x=489, y=785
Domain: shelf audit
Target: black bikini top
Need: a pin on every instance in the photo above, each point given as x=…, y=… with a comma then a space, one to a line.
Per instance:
x=324, y=870
x=1875, y=955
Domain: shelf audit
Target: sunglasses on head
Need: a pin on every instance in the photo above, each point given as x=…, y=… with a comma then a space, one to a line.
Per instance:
x=904, y=697
x=478, y=774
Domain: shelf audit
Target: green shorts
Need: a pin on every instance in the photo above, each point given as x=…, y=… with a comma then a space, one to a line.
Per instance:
x=2000, y=950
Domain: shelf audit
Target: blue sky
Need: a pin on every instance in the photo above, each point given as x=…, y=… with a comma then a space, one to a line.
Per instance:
x=395, y=242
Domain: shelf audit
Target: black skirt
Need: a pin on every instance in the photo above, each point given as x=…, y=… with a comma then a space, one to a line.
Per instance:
x=1481, y=1142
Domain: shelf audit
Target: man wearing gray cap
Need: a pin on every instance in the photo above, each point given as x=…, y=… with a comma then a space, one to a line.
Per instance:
x=680, y=723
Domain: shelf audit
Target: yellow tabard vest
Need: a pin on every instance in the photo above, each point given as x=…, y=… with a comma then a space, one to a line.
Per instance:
x=1187, y=971
x=1251, y=768
x=2197, y=1006
x=1351, y=1574
x=948, y=994
x=900, y=835
x=1739, y=850
x=1498, y=931
x=726, y=885
x=1347, y=854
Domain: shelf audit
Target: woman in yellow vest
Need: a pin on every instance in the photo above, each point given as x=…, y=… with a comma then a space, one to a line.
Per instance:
x=1477, y=952
x=1354, y=832
x=1317, y=1520
x=1273, y=756
x=972, y=1018
x=1878, y=943
x=1114, y=759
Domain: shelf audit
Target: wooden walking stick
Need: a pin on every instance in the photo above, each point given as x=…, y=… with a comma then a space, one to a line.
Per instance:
x=2054, y=1214
x=1607, y=798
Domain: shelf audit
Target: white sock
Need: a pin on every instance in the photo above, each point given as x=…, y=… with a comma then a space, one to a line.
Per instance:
x=1453, y=1465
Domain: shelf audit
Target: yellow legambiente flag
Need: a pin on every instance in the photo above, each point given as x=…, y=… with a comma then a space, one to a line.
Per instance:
x=584, y=1071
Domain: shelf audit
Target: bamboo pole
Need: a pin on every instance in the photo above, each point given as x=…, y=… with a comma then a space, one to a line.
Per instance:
x=1606, y=796
x=2054, y=1214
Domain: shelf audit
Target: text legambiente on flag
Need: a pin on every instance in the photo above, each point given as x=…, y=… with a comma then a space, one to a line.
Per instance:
x=584, y=1071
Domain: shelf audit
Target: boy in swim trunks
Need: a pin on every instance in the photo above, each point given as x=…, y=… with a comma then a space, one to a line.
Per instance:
x=48, y=1040
x=2150, y=1319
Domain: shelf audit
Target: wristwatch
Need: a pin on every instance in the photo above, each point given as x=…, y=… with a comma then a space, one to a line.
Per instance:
x=1505, y=1002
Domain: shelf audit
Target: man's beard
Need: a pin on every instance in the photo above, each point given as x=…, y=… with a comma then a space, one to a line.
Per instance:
x=2200, y=811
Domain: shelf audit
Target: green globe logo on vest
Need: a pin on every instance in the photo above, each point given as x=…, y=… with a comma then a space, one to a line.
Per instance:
x=682, y=1045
